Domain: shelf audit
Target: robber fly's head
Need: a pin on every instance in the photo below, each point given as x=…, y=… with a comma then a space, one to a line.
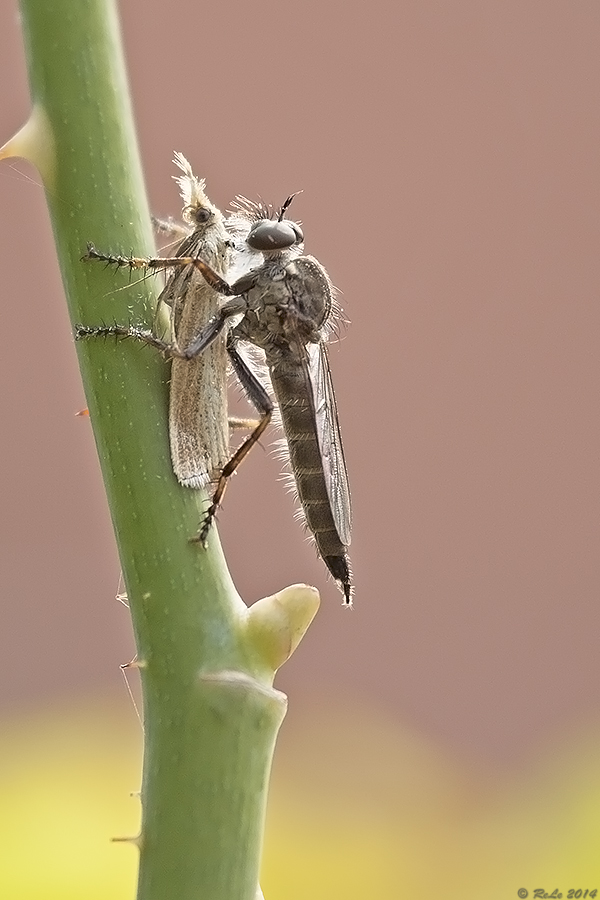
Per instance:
x=275, y=234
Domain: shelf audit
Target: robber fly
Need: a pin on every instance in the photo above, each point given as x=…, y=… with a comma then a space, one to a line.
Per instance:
x=285, y=307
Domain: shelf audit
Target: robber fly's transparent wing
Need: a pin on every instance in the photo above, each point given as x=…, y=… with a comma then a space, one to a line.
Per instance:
x=330, y=440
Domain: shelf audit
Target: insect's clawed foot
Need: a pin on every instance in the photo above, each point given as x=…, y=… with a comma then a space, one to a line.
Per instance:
x=205, y=526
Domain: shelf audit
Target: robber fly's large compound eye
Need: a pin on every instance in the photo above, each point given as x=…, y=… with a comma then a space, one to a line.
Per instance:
x=270, y=235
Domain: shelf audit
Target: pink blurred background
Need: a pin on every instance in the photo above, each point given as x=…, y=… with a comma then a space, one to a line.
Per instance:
x=448, y=157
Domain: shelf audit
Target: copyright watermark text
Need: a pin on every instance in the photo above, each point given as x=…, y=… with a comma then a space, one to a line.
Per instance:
x=556, y=894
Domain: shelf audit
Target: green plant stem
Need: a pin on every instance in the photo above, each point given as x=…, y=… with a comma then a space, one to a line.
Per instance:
x=211, y=714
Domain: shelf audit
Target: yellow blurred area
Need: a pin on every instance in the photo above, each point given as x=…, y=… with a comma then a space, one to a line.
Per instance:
x=359, y=808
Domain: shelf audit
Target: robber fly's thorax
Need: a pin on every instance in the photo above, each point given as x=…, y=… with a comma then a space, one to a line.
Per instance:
x=281, y=312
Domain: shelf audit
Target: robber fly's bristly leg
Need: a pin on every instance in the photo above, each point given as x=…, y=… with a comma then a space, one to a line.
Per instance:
x=214, y=279
x=211, y=332
x=254, y=389
x=241, y=286
x=168, y=350
x=111, y=259
x=155, y=263
x=259, y=397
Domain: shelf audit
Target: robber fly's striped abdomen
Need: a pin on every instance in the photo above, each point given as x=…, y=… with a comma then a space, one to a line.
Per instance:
x=299, y=423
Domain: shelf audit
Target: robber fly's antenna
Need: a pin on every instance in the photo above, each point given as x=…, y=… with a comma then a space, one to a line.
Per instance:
x=286, y=205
